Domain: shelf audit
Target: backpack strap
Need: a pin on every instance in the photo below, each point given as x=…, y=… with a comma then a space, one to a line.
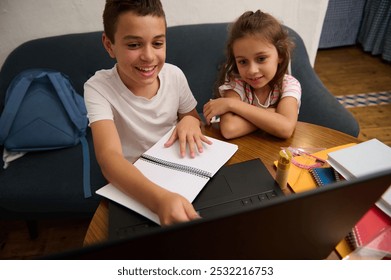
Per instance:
x=60, y=86
x=86, y=167
x=14, y=100
x=76, y=116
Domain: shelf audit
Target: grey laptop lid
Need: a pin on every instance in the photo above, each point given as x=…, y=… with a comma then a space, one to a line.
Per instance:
x=234, y=187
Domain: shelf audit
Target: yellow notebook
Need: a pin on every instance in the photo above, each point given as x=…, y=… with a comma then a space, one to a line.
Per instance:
x=300, y=179
x=343, y=248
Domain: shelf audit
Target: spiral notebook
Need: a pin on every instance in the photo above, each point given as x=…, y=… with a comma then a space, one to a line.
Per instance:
x=373, y=223
x=324, y=175
x=165, y=167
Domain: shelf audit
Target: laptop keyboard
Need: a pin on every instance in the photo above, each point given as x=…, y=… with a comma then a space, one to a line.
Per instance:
x=205, y=212
x=257, y=199
x=237, y=204
x=131, y=230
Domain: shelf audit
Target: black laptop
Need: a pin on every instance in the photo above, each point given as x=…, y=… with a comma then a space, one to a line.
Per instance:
x=236, y=186
x=301, y=226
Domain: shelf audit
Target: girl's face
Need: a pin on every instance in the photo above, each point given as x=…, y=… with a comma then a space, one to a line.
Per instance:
x=140, y=51
x=256, y=59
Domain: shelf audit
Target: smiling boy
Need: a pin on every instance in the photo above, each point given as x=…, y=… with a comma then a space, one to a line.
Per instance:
x=131, y=106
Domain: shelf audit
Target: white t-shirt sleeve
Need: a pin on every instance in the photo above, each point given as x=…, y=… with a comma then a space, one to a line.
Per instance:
x=98, y=107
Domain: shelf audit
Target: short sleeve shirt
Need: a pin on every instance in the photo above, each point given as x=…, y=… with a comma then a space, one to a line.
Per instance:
x=140, y=122
x=290, y=87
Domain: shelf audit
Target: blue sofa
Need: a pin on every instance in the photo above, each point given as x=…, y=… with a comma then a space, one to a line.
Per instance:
x=49, y=184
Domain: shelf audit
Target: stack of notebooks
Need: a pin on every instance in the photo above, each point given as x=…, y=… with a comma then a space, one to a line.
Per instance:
x=363, y=159
x=348, y=162
x=374, y=229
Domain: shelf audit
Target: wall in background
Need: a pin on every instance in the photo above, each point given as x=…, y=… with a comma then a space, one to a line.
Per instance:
x=23, y=20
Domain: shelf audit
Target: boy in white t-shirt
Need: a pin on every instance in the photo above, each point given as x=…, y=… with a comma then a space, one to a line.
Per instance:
x=131, y=106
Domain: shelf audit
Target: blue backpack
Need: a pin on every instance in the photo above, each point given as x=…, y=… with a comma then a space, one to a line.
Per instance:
x=43, y=112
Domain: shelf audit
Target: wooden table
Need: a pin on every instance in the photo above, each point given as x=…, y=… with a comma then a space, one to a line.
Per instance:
x=255, y=145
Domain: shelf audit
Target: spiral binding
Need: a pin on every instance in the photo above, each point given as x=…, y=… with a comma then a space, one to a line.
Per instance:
x=316, y=177
x=176, y=166
x=353, y=239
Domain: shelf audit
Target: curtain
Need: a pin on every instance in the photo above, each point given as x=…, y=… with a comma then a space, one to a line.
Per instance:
x=342, y=23
x=375, y=31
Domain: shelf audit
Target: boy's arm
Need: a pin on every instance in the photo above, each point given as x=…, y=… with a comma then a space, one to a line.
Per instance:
x=188, y=133
x=170, y=207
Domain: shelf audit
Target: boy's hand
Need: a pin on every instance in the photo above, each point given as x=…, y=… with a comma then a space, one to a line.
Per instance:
x=188, y=132
x=174, y=208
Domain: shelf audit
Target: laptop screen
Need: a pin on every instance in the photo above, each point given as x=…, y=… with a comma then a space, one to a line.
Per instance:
x=300, y=226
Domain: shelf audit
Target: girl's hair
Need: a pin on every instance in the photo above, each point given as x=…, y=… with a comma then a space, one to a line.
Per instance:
x=266, y=27
x=114, y=8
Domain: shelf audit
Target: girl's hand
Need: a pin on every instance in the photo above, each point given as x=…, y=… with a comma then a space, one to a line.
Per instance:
x=188, y=132
x=217, y=107
x=174, y=208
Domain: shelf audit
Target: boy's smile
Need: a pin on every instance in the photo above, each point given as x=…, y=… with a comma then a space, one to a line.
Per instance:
x=140, y=51
x=146, y=71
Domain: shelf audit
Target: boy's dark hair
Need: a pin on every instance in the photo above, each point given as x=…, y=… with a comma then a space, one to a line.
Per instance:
x=257, y=24
x=114, y=8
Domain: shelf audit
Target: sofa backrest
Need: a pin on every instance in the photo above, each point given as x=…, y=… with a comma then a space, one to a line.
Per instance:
x=76, y=55
x=197, y=49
